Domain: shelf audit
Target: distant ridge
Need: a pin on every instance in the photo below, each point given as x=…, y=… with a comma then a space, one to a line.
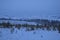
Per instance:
x=32, y=20
x=10, y=19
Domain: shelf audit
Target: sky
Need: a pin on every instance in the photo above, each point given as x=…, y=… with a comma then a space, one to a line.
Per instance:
x=29, y=8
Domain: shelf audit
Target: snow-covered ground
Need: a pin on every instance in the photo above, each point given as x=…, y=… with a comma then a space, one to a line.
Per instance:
x=5, y=34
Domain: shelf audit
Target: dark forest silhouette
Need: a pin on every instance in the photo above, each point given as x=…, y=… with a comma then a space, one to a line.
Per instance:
x=40, y=24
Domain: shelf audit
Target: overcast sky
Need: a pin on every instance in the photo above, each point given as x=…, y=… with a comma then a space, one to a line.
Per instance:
x=29, y=8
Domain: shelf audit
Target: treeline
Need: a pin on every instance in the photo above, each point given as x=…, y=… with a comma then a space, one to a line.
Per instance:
x=48, y=25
